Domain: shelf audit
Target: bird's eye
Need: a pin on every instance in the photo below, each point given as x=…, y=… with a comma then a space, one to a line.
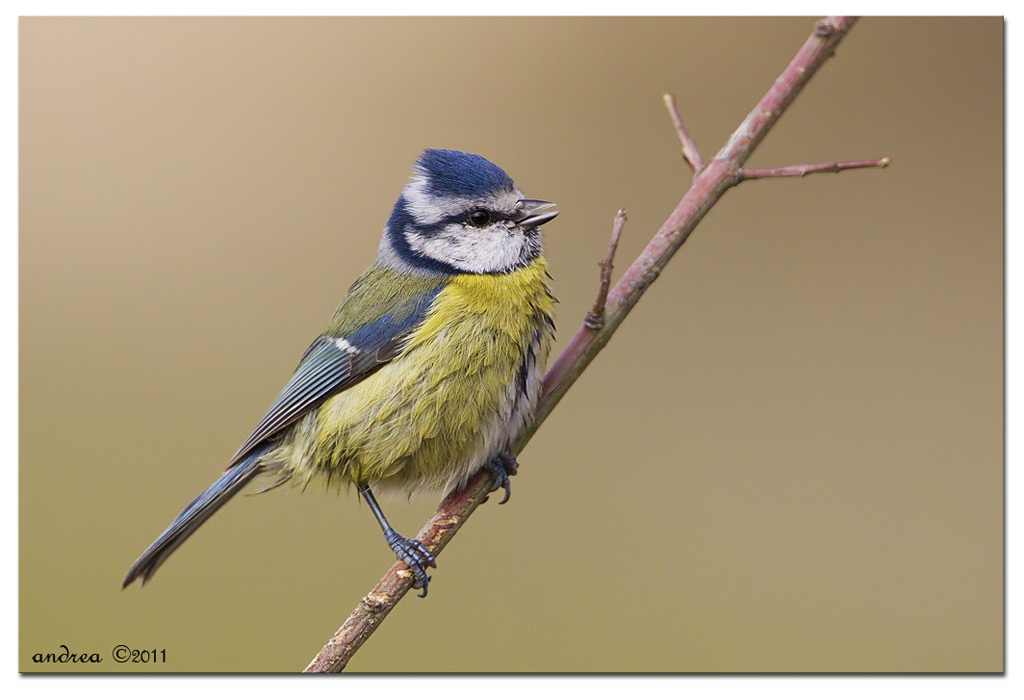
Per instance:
x=479, y=217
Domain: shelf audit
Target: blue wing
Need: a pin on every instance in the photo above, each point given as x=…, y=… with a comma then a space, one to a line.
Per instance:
x=333, y=364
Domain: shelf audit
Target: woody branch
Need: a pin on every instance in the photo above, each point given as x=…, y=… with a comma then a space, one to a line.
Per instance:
x=710, y=182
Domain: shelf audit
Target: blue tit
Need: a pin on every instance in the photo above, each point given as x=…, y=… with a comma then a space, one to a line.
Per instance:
x=429, y=368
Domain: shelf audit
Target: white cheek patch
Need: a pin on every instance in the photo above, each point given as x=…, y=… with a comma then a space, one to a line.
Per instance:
x=491, y=249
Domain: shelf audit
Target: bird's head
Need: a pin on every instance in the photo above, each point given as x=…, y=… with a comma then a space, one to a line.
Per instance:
x=463, y=214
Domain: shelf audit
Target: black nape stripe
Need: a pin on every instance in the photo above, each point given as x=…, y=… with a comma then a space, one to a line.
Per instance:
x=400, y=221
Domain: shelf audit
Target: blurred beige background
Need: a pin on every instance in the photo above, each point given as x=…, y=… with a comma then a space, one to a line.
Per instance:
x=790, y=458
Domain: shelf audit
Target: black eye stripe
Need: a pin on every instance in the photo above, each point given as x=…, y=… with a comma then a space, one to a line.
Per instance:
x=494, y=215
x=463, y=218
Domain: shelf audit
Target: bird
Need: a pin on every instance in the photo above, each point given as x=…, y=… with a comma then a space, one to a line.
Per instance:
x=427, y=371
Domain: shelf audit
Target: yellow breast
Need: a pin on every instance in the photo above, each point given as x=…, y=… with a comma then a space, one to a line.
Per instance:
x=462, y=388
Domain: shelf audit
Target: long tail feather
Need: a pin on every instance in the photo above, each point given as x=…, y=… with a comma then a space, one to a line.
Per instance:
x=194, y=515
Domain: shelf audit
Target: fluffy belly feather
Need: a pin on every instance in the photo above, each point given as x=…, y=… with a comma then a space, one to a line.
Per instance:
x=461, y=390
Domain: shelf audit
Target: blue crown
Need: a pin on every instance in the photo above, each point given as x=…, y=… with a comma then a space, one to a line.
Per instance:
x=461, y=174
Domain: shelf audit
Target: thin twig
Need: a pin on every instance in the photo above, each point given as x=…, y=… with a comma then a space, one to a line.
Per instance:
x=595, y=317
x=743, y=174
x=690, y=153
x=708, y=187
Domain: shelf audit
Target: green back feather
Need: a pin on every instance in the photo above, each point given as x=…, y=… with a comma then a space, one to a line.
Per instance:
x=378, y=292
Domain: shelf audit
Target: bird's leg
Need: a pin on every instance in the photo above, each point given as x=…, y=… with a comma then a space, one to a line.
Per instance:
x=502, y=467
x=412, y=552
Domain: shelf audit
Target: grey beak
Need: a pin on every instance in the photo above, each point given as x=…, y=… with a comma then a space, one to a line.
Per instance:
x=532, y=213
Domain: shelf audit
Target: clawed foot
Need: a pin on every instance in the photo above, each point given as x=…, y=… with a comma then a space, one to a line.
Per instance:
x=502, y=467
x=416, y=556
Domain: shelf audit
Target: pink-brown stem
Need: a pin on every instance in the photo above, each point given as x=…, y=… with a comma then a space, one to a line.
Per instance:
x=707, y=188
x=595, y=317
x=689, y=148
x=802, y=170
